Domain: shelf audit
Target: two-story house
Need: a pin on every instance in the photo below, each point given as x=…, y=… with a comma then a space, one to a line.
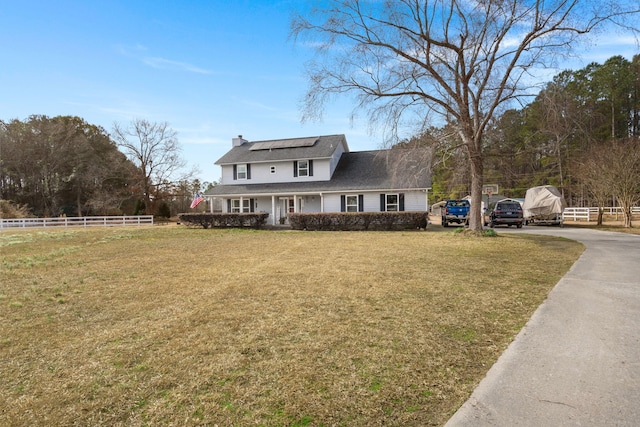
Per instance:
x=320, y=174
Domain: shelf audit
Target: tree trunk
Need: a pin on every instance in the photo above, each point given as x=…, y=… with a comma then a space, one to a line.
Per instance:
x=477, y=170
x=78, y=204
x=626, y=210
x=600, y=215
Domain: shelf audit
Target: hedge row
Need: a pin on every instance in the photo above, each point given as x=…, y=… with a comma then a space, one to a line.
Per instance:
x=225, y=220
x=330, y=221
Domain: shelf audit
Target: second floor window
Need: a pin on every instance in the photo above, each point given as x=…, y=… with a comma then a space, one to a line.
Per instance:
x=242, y=171
x=303, y=168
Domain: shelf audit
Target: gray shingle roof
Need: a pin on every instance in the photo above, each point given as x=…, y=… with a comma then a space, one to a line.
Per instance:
x=323, y=148
x=399, y=169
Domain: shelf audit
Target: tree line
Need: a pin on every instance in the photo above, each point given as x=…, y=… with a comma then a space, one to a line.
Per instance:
x=581, y=133
x=424, y=63
x=52, y=166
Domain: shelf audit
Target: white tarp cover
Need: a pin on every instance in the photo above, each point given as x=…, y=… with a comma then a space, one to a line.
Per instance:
x=543, y=201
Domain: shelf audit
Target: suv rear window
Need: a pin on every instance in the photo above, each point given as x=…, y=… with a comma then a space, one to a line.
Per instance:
x=508, y=206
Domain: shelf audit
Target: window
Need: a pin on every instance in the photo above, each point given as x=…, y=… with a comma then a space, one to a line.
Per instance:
x=392, y=202
x=244, y=206
x=352, y=204
x=242, y=172
x=273, y=169
x=303, y=168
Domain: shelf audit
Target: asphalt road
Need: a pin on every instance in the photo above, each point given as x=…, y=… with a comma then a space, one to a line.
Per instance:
x=577, y=361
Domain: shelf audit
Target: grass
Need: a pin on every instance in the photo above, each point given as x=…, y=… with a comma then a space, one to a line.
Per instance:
x=616, y=226
x=178, y=326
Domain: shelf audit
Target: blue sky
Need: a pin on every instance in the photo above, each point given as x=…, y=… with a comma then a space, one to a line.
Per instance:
x=211, y=69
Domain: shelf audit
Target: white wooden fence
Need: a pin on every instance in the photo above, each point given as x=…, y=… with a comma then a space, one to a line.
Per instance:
x=576, y=214
x=81, y=221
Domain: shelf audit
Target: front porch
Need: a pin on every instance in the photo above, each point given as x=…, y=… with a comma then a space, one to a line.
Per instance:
x=278, y=206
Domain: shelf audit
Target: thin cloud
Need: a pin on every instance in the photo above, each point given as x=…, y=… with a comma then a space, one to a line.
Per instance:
x=138, y=53
x=168, y=64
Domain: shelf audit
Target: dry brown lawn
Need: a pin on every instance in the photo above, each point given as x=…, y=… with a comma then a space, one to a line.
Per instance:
x=177, y=326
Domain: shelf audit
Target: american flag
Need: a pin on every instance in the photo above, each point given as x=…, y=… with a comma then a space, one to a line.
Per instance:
x=197, y=200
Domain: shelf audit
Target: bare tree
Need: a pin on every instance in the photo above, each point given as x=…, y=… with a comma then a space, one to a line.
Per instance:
x=624, y=159
x=593, y=171
x=456, y=61
x=154, y=149
x=613, y=169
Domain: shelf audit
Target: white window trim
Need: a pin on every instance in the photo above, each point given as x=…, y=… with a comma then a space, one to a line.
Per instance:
x=244, y=171
x=305, y=169
x=396, y=204
x=237, y=207
x=347, y=205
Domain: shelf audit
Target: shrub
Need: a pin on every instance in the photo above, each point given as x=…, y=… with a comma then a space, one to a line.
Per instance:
x=164, y=211
x=331, y=221
x=225, y=220
x=8, y=209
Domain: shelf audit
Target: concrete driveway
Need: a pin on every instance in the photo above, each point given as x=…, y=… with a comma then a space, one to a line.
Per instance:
x=577, y=360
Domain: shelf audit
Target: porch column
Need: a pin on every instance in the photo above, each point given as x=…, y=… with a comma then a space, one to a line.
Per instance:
x=295, y=203
x=321, y=202
x=273, y=210
x=426, y=196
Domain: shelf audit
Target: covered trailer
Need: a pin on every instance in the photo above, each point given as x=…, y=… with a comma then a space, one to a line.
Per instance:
x=543, y=205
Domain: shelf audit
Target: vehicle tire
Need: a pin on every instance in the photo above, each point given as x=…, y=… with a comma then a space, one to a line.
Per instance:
x=519, y=225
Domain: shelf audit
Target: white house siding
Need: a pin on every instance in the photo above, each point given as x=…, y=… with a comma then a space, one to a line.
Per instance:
x=413, y=200
x=416, y=200
x=261, y=173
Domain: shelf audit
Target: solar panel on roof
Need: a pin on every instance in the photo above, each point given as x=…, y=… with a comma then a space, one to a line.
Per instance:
x=284, y=143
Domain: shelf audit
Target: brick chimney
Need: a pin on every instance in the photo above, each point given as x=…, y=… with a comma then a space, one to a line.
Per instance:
x=236, y=142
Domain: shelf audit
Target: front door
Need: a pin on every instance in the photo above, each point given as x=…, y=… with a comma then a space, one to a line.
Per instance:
x=287, y=206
